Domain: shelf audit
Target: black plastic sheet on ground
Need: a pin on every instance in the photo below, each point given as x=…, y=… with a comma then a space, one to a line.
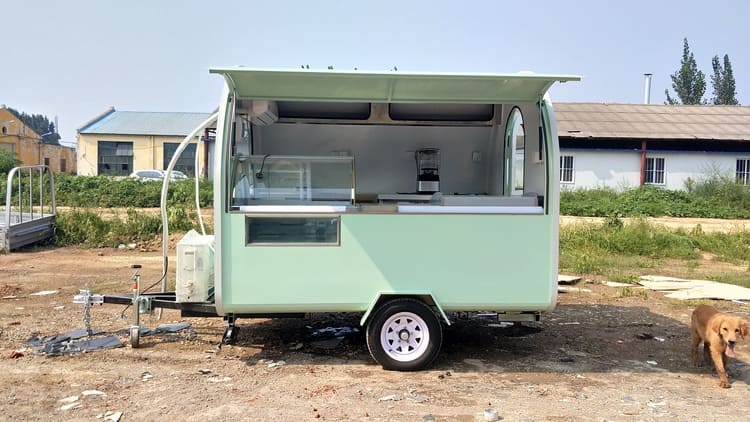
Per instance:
x=69, y=343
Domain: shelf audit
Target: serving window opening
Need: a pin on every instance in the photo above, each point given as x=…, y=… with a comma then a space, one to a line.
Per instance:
x=371, y=157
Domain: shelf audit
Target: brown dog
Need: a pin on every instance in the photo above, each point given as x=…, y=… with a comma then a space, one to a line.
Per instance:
x=718, y=332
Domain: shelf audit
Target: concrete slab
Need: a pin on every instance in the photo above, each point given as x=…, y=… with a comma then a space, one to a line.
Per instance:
x=695, y=289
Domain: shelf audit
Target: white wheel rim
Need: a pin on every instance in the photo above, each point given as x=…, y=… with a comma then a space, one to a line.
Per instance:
x=404, y=337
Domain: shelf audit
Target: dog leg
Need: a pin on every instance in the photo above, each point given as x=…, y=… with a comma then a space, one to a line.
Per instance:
x=707, y=353
x=724, y=360
x=695, y=342
x=718, y=358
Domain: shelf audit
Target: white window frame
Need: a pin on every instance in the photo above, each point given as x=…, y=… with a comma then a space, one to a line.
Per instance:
x=571, y=168
x=655, y=172
x=742, y=176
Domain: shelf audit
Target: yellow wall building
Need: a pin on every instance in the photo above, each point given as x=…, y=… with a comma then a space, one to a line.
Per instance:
x=28, y=147
x=118, y=143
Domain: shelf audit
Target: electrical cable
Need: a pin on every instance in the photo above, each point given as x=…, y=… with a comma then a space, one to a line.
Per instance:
x=165, y=188
x=259, y=174
x=197, y=195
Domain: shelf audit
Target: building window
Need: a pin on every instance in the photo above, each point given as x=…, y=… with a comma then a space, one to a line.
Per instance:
x=46, y=161
x=743, y=171
x=566, y=169
x=115, y=158
x=186, y=162
x=5, y=130
x=654, y=171
x=63, y=166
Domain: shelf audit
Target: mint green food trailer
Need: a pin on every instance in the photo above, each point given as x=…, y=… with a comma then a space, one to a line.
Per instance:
x=402, y=196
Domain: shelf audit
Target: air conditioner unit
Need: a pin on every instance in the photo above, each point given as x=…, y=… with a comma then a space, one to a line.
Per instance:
x=264, y=113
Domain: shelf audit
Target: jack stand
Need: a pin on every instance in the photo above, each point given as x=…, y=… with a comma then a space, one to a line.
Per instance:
x=231, y=332
x=140, y=305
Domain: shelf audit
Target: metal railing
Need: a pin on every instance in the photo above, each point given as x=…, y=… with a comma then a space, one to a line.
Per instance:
x=23, y=177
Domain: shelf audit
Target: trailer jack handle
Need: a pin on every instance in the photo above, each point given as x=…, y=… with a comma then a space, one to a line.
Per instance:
x=141, y=305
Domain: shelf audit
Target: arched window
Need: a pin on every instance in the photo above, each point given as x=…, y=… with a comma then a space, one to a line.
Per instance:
x=514, y=153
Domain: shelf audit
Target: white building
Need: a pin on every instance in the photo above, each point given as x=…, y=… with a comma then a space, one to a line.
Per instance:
x=118, y=142
x=628, y=145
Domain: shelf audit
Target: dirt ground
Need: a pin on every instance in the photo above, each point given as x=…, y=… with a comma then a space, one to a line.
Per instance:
x=601, y=355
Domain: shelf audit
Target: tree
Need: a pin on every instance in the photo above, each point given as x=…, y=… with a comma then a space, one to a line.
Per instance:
x=7, y=161
x=40, y=124
x=723, y=82
x=688, y=82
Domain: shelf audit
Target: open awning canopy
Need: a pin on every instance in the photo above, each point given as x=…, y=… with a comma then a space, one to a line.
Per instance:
x=388, y=87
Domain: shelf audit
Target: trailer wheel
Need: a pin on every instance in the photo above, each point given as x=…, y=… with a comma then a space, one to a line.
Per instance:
x=135, y=336
x=404, y=335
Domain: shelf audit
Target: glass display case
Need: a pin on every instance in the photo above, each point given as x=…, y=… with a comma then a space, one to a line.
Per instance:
x=292, y=180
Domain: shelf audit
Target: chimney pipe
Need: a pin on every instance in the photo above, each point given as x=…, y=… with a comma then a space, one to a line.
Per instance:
x=646, y=88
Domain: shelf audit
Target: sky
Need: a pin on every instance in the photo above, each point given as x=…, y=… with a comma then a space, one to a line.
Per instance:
x=74, y=59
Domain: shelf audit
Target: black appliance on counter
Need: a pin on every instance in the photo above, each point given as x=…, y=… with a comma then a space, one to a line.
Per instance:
x=428, y=170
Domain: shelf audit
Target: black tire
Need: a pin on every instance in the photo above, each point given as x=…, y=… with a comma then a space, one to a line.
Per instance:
x=420, y=327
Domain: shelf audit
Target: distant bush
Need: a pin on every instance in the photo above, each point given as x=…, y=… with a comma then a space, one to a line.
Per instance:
x=109, y=192
x=721, y=189
x=703, y=199
x=86, y=228
x=596, y=248
x=7, y=162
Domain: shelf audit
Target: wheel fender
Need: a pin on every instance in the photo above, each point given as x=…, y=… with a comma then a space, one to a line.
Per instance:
x=426, y=297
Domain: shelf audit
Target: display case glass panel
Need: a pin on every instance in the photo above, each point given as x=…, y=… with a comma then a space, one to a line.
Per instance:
x=292, y=180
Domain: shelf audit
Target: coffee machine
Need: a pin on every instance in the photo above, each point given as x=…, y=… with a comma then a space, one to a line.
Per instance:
x=428, y=170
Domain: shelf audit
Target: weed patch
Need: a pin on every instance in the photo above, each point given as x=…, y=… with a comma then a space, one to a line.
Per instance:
x=620, y=250
x=110, y=192
x=88, y=229
x=711, y=198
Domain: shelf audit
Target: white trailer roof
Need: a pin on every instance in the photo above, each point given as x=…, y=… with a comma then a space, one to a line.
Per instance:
x=394, y=87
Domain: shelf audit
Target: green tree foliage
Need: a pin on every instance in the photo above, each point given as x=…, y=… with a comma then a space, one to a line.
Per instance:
x=40, y=124
x=688, y=82
x=723, y=82
x=7, y=161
